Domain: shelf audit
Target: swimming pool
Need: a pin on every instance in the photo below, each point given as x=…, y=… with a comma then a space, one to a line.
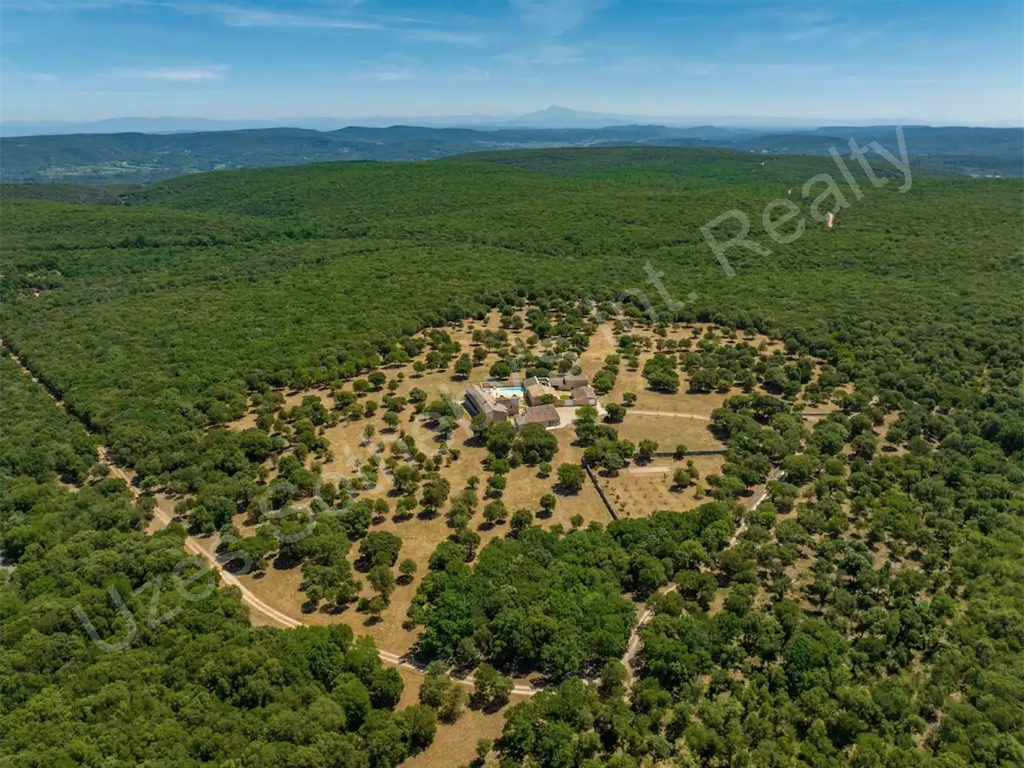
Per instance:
x=504, y=393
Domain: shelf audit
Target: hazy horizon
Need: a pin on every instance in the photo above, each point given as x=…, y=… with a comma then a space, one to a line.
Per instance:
x=497, y=120
x=678, y=61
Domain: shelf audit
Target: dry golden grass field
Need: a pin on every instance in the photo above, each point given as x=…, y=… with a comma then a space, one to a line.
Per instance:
x=639, y=490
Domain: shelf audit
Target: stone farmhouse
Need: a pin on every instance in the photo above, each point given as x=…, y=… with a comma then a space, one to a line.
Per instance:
x=479, y=401
x=541, y=391
x=543, y=397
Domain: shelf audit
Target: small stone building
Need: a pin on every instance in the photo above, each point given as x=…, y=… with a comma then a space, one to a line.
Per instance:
x=584, y=396
x=535, y=392
x=545, y=415
x=568, y=383
x=478, y=401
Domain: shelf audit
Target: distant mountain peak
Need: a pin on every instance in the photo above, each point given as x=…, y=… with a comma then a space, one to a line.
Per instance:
x=557, y=116
x=555, y=110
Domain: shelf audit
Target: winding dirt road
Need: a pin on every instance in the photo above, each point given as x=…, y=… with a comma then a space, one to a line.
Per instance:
x=163, y=515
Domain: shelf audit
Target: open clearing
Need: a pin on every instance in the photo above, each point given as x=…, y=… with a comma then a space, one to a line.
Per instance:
x=280, y=586
x=668, y=431
x=640, y=490
x=669, y=419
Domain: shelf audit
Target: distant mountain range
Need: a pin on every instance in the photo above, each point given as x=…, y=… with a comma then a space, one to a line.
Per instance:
x=552, y=117
x=142, y=157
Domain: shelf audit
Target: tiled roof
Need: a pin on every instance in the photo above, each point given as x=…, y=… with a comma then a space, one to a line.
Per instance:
x=539, y=414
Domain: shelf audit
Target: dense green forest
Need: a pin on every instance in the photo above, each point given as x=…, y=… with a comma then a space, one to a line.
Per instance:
x=203, y=689
x=157, y=320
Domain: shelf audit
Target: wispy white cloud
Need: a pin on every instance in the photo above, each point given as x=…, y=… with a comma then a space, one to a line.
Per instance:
x=545, y=55
x=238, y=16
x=177, y=74
x=837, y=29
x=886, y=77
x=685, y=17
x=809, y=33
x=326, y=15
x=404, y=68
x=471, y=39
x=642, y=65
x=558, y=16
x=45, y=78
x=406, y=27
x=775, y=71
x=803, y=18
x=63, y=6
x=391, y=69
x=858, y=39
x=246, y=18
x=472, y=73
x=384, y=75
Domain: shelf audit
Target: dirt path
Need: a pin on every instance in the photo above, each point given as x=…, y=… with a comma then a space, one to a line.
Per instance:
x=60, y=403
x=194, y=547
x=635, y=643
x=648, y=470
x=164, y=516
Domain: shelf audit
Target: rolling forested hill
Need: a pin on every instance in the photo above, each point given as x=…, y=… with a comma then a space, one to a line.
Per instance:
x=144, y=158
x=157, y=319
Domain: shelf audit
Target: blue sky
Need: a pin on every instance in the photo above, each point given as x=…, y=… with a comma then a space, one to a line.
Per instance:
x=927, y=60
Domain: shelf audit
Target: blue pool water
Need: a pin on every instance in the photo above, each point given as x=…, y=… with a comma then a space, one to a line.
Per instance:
x=506, y=392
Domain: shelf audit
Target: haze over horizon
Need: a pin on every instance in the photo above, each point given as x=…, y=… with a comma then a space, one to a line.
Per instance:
x=953, y=63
